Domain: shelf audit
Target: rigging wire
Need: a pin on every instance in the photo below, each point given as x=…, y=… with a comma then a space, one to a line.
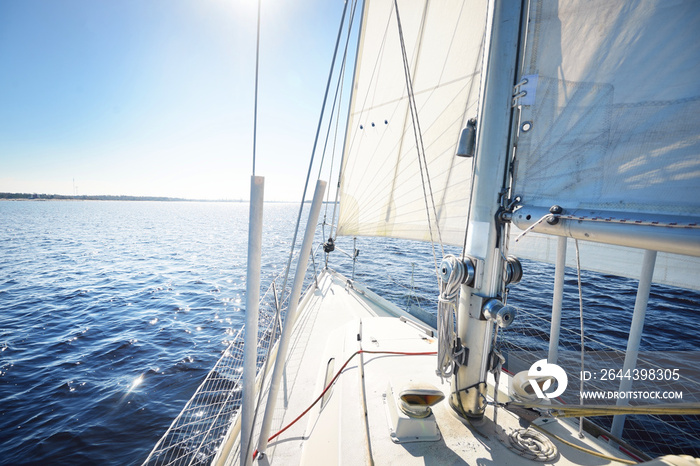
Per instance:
x=330, y=171
x=420, y=149
x=255, y=111
x=338, y=97
x=255, y=132
x=313, y=151
x=330, y=174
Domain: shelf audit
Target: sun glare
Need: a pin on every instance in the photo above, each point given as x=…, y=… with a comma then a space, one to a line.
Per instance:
x=137, y=381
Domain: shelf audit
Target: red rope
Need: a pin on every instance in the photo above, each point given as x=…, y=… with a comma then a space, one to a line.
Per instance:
x=330, y=384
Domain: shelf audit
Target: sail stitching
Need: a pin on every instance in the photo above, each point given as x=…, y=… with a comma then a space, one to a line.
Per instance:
x=369, y=193
x=364, y=107
x=419, y=143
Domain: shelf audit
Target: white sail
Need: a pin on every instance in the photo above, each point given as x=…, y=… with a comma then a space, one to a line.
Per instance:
x=609, y=123
x=381, y=192
x=615, y=111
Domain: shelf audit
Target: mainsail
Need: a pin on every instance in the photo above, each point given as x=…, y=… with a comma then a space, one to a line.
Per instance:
x=615, y=110
x=609, y=124
x=382, y=191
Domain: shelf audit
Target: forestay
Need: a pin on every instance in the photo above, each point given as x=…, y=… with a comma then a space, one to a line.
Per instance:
x=382, y=192
x=610, y=121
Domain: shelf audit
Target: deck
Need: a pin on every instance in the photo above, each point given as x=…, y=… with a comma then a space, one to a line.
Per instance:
x=335, y=321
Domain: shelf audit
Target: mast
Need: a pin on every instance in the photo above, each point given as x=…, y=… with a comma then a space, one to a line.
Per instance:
x=474, y=331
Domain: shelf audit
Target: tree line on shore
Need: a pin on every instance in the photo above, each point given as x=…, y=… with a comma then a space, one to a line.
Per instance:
x=86, y=197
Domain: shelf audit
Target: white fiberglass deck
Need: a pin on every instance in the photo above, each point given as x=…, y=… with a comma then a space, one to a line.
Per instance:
x=336, y=321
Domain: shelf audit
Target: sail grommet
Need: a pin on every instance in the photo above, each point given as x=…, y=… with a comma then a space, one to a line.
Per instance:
x=526, y=126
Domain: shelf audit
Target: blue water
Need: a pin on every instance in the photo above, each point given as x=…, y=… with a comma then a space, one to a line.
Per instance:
x=111, y=313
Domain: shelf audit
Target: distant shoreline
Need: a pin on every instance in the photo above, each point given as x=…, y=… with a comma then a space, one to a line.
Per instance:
x=61, y=197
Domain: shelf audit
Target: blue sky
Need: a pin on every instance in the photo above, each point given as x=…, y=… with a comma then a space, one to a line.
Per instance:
x=155, y=97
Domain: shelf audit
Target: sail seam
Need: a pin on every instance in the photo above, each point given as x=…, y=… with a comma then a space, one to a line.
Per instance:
x=419, y=141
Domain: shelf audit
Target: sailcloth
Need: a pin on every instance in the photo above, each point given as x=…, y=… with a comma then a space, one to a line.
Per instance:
x=609, y=122
x=384, y=182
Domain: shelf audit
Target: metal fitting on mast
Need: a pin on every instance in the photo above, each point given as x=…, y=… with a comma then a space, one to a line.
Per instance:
x=501, y=314
x=468, y=390
x=467, y=140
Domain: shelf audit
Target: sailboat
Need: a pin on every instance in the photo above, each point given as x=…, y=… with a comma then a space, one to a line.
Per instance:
x=548, y=130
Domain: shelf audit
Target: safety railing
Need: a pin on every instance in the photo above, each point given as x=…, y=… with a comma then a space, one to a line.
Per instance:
x=196, y=434
x=659, y=377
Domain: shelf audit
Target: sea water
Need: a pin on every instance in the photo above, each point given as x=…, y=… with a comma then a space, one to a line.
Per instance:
x=111, y=313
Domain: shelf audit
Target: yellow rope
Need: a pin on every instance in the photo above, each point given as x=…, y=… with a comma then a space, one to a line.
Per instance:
x=605, y=410
x=585, y=450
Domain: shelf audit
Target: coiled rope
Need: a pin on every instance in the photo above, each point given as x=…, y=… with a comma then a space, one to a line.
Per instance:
x=533, y=445
x=447, y=308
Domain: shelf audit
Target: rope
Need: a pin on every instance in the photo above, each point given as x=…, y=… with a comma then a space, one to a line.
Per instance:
x=665, y=409
x=531, y=227
x=496, y=371
x=447, y=308
x=333, y=380
x=533, y=445
x=583, y=348
x=628, y=221
x=621, y=221
x=580, y=448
